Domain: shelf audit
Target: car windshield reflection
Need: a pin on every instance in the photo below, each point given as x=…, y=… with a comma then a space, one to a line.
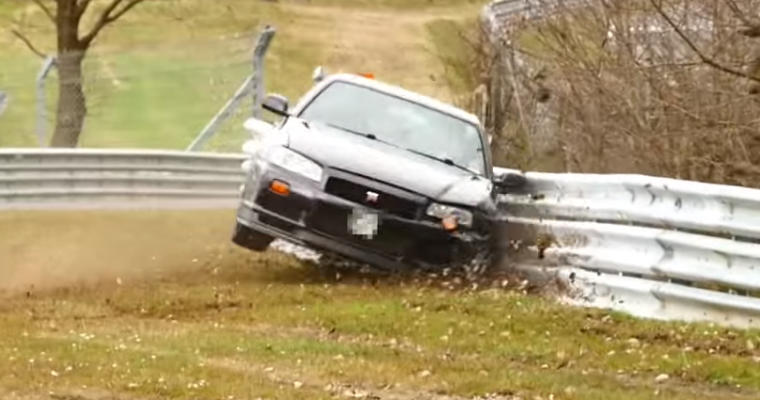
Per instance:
x=399, y=122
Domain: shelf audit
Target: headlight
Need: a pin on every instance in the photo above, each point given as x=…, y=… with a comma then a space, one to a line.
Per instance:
x=295, y=163
x=441, y=211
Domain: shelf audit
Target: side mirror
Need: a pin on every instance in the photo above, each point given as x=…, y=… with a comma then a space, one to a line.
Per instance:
x=277, y=104
x=508, y=181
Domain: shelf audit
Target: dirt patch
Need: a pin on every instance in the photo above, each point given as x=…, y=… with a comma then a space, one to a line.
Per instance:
x=68, y=394
x=113, y=290
x=42, y=250
x=361, y=40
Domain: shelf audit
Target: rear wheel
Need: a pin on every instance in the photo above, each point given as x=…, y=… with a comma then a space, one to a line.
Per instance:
x=246, y=237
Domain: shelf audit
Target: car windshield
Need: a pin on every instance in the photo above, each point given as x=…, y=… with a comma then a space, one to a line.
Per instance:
x=399, y=122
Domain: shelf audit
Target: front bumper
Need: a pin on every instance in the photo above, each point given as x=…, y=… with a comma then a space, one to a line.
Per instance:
x=311, y=217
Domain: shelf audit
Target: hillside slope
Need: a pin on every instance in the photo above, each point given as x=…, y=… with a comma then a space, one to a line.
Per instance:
x=156, y=78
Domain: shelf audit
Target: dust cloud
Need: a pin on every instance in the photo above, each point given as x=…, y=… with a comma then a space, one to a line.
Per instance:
x=49, y=249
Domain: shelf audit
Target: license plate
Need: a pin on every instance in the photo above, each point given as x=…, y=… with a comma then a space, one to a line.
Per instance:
x=363, y=223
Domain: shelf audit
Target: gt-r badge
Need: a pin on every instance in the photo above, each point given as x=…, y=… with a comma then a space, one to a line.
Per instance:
x=372, y=197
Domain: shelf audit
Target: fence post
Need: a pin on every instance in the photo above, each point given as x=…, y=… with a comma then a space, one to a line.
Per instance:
x=262, y=45
x=3, y=102
x=232, y=104
x=47, y=66
x=252, y=84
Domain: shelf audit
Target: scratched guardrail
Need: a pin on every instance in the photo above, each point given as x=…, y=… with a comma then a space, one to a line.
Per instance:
x=655, y=247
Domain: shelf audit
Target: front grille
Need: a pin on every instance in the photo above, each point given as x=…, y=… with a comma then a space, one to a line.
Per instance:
x=358, y=193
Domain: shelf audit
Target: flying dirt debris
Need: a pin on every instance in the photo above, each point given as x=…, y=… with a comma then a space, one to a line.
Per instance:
x=375, y=174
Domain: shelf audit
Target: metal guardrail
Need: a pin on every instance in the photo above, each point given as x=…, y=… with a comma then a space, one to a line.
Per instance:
x=655, y=247
x=32, y=176
x=649, y=246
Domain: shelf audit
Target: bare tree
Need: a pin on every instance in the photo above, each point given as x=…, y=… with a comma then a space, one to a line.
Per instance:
x=662, y=87
x=749, y=27
x=72, y=44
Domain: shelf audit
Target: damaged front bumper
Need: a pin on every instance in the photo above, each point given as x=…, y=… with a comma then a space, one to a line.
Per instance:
x=309, y=216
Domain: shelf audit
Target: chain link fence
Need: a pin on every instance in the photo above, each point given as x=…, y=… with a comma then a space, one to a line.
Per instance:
x=148, y=96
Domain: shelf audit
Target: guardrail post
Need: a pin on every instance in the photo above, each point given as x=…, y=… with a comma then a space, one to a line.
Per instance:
x=41, y=127
x=253, y=84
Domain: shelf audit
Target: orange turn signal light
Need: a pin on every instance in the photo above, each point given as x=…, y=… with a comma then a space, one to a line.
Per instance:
x=450, y=223
x=280, y=187
x=368, y=75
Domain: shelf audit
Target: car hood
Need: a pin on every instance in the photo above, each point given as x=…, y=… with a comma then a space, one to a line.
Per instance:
x=338, y=149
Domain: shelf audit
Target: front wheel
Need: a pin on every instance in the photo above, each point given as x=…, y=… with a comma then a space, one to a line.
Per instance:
x=484, y=258
x=244, y=236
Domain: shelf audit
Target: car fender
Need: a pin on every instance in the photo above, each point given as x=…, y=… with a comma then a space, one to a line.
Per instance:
x=258, y=127
x=263, y=134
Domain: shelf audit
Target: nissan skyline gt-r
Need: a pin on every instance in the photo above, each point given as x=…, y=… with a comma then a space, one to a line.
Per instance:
x=373, y=173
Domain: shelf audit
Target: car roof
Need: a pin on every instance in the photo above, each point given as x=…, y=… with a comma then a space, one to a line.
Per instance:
x=403, y=93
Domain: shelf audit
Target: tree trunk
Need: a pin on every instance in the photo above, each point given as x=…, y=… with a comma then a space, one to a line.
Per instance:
x=72, y=105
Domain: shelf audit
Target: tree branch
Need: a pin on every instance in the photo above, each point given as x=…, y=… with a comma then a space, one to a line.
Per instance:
x=109, y=15
x=28, y=43
x=751, y=25
x=82, y=7
x=657, y=4
x=45, y=9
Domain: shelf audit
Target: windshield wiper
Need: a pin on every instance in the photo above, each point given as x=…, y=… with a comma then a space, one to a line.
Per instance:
x=371, y=136
x=446, y=161
x=366, y=135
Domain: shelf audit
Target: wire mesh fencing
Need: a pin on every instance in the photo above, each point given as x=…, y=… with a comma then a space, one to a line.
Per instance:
x=148, y=96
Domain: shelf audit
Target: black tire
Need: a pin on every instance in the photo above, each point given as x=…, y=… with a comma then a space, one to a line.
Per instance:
x=244, y=236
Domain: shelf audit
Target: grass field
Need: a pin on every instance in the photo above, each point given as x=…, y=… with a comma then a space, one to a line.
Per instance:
x=158, y=77
x=89, y=311
x=164, y=307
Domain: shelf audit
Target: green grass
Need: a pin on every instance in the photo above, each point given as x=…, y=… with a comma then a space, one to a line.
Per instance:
x=158, y=76
x=145, y=92
x=165, y=307
x=189, y=316
x=454, y=44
